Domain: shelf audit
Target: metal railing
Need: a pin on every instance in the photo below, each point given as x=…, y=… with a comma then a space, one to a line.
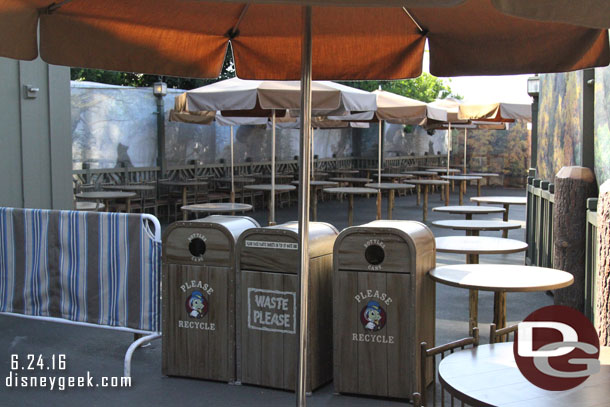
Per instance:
x=591, y=260
x=125, y=175
x=539, y=222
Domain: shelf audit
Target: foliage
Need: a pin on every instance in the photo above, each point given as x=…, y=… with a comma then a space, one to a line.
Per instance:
x=142, y=80
x=426, y=87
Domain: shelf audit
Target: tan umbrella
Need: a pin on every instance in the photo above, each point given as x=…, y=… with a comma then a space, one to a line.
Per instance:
x=499, y=111
x=443, y=112
x=276, y=41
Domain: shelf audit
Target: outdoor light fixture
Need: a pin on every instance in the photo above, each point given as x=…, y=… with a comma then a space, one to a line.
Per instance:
x=533, y=86
x=160, y=88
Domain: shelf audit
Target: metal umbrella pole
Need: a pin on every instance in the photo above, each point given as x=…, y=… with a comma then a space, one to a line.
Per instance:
x=304, y=158
x=448, y=147
x=232, y=170
x=379, y=172
x=465, y=145
x=272, y=197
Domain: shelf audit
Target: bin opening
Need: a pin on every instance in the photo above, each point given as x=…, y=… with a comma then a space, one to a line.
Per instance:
x=374, y=254
x=197, y=247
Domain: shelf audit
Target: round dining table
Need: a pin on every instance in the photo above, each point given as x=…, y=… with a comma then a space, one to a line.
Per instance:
x=391, y=187
x=351, y=180
x=185, y=185
x=505, y=201
x=473, y=227
x=215, y=207
x=420, y=173
x=473, y=247
x=486, y=175
x=343, y=171
x=266, y=189
x=426, y=184
x=107, y=196
x=499, y=278
x=238, y=182
x=468, y=210
x=350, y=192
x=463, y=180
x=487, y=375
x=315, y=187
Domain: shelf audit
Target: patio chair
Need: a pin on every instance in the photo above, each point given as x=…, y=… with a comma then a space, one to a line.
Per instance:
x=501, y=335
x=441, y=350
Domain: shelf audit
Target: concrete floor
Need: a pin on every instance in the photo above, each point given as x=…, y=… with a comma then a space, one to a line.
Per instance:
x=101, y=352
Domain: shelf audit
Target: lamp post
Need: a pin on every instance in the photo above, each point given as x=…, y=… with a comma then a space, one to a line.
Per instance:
x=160, y=90
x=533, y=89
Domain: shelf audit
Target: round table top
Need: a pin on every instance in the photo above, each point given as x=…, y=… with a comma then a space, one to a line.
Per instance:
x=460, y=177
x=351, y=179
x=420, y=173
x=88, y=206
x=241, y=180
x=105, y=195
x=187, y=183
x=344, y=171
x=135, y=187
x=320, y=173
x=370, y=169
x=483, y=174
x=318, y=183
x=478, y=245
x=509, y=200
x=393, y=175
x=462, y=224
x=451, y=170
x=468, y=209
x=427, y=181
x=267, y=187
x=388, y=185
x=502, y=277
x=217, y=207
x=488, y=375
x=350, y=190
x=277, y=176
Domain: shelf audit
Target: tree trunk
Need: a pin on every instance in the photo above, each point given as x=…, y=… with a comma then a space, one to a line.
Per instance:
x=603, y=265
x=573, y=185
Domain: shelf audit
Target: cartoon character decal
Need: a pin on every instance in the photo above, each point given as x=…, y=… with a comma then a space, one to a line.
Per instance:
x=372, y=316
x=196, y=305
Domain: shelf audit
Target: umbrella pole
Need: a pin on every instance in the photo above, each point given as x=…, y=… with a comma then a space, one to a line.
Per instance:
x=379, y=173
x=465, y=145
x=448, y=147
x=272, y=197
x=304, y=203
x=232, y=165
x=313, y=136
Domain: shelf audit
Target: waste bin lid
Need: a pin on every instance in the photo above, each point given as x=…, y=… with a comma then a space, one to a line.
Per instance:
x=319, y=235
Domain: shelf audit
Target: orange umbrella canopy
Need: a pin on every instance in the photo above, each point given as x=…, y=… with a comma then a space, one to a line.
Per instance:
x=189, y=38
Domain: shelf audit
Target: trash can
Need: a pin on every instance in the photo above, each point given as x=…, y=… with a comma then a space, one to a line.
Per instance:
x=199, y=260
x=268, y=274
x=383, y=307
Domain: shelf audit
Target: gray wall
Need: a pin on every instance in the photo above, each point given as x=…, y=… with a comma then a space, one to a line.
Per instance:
x=35, y=157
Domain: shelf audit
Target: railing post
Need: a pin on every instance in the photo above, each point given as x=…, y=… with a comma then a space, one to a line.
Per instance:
x=590, y=259
x=551, y=204
x=537, y=222
x=544, y=222
x=529, y=219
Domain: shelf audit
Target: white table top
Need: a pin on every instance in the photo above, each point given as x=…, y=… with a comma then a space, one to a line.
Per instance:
x=187, y=183
x=488, y=375
x=267, y=187
x=461, y=224
x=351, y=179
x=217, y=207
x=318, y=183
x=134, y=187
x=478, y=245
x=467, y=209
x=350, y=190
x=501, y=277
x=461, y=177
x=105, y=195
x=388, y=185
x=510, y=200
x=427, y=181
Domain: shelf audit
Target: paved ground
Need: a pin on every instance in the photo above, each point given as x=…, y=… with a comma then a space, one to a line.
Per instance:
x=101, y=352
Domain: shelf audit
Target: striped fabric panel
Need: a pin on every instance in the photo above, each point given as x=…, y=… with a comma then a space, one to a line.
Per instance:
x=113, y=268
x=7, y=260
x=36, y=282
x=150, y=255
x=73, y=265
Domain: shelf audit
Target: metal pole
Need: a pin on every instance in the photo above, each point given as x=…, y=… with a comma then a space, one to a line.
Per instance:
x=272, y=197
x=313, y=163
x=304, y=203
x=448, y=147
x=161, y=162
x=465, y=145
x=379, y=156
x=232, y=164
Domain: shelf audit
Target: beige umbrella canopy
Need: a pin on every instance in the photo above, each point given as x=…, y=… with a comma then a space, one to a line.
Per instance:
x=189, y=38
x=499, y=112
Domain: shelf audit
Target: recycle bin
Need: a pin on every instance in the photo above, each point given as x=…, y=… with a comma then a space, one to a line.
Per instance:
x=199, y=260
x=268, y=274
x=383, y=307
